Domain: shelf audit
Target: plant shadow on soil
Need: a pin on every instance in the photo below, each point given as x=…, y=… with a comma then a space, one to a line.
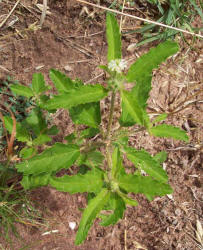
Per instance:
x=76, y=44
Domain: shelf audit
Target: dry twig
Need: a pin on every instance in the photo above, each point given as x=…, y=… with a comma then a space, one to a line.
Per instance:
x=9, y=14
x=44, y=11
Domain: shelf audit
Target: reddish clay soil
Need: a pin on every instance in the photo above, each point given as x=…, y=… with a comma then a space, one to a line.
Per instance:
x=75, y=43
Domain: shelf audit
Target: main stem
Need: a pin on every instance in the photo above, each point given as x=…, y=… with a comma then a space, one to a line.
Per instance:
x=108, y=147
x=113, y=95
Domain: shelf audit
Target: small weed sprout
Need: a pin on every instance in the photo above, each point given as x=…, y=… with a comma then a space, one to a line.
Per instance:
x=102, y=176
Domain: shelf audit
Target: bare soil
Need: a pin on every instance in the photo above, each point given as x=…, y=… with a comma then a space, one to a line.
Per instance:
x=74, y=42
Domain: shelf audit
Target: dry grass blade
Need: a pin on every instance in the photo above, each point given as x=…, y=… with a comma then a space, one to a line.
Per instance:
x=9, y=14
x=188, y=101
x=122, y=16
x=44, y=11
x=198, y=240
x=141, y=19
x=199, y=233
x=138, y=245
x=4, y=69
x=75, y=45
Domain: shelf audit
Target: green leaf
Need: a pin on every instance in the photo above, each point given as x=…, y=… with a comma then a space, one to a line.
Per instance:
x=42, y=99
x=52, y=159
x=141, y=91
x=27, y=152
x=147, y=163
x=122, y=140
x=91, y=159
x=113, y=38
x=160, y=157
x=81, y=95
x=117, y=166
x=94, y=158
x=141, y=71
x=87, y=114
x=81, y=160
x=38, y=83
x=152, y=1
x=118, y=210
x=53, y=130
x=150, y=39
x=92, y=181
x=61, y=81
x=90, y=213
x=160, y=118
x=115, y=161
x=145, y=185
x=169, y=131
x=127, y=200
x=78, y=83
x=30, y=181
x=83, y=169
x=131, y=106
x=21, y=132
x=89, y=132
x=21, y=90
x=41, y=139
x=197, y=8
x=143, y=67
x=70, y=138
x=126, y=119
x=36, y=121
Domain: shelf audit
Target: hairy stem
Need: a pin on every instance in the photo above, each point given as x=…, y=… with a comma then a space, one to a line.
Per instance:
x=113, y=95
x=108, y=146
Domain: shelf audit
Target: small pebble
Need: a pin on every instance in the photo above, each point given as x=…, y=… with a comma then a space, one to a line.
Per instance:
x=72, y=225
x=49, y=232
x=178, y=212
x=39, y=67
x=68, y=68
x=170, y=196
x=164, y=166
x=132, y=47
x=175, y=222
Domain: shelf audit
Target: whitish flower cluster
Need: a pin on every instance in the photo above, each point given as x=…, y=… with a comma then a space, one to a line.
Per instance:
x=117, y=65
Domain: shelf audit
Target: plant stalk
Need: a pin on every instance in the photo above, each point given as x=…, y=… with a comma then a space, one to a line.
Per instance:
x=109, y=161
x=108, y=146
x=113, y=95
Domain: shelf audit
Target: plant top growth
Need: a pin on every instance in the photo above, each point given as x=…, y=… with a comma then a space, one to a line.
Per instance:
x=102, y=175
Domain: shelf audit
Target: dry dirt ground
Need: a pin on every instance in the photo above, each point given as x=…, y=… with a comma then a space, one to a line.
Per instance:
x=74, y=42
